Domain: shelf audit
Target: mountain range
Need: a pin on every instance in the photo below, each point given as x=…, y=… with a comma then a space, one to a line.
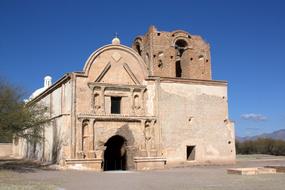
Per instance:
x=276, y=135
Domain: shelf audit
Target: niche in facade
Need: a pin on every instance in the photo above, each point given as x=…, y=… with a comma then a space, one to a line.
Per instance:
x=96, y=101
x=85, y=137
x=137, y=102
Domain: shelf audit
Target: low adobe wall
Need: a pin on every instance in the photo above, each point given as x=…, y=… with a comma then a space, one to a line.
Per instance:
x=5, y=149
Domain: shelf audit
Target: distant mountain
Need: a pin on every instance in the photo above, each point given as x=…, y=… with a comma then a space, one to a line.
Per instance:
x=277, y=135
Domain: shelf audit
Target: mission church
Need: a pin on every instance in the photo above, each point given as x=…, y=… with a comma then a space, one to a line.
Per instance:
x=137, y=108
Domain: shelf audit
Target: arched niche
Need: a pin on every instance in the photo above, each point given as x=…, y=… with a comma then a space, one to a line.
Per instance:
x=85, y=137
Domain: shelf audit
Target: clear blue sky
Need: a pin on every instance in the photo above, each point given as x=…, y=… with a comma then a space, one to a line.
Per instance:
x=247, y=39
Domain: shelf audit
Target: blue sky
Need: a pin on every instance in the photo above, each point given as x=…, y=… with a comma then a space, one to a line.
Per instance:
x=247, y=39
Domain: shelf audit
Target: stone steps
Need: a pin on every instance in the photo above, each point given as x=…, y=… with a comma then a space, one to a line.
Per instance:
x=257, y=170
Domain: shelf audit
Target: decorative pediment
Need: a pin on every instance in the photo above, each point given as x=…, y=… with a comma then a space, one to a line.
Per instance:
x=130, y=73
x=116, y=64
x=105, y=70
x=121, y=74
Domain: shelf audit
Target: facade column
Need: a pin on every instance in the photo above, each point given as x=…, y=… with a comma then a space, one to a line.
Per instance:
x=91, y=140
x=102, y=95
x=132, y=101
x=79, y=152
x=142, y=102
x=143, y=145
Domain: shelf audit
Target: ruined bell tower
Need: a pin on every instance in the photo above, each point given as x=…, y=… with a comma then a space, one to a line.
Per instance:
x=174, y=54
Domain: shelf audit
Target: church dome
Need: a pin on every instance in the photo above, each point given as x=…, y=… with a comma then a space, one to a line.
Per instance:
x=37, y=92
x=47, y=83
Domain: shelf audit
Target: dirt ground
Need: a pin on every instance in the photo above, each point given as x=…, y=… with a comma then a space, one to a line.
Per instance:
x=15, y=174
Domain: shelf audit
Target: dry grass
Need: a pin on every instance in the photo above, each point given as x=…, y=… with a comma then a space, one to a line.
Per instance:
x=12, y=176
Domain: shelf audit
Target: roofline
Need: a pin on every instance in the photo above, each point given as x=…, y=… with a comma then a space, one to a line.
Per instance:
x=189, y=81
x=55, y=85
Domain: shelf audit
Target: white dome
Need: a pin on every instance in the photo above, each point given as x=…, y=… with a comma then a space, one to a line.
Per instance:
x=47, y=83
x=37, y=92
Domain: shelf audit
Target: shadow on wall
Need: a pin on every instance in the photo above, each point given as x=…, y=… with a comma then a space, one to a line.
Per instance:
x=36, y=147
x=32, y=152
x=57, y=144
x=126, y=132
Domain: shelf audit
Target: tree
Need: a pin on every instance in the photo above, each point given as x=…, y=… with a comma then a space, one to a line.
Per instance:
x=18, y=119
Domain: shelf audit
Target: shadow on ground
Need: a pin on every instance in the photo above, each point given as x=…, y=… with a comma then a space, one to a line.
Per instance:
x=21, y=166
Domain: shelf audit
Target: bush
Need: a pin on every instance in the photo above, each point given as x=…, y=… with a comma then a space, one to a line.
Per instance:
x=261, y=146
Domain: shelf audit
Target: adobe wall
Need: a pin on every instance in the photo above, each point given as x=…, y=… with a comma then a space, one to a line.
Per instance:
x=196, y=115
x=5, y=149
x=56, y=143
x=57, y=133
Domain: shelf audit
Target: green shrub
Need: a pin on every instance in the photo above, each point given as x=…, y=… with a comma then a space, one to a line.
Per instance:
x=261, y=146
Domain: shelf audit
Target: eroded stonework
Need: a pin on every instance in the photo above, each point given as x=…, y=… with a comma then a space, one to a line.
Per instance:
x=138, y=108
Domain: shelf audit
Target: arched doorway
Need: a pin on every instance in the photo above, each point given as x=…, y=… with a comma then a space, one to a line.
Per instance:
x=115, y=155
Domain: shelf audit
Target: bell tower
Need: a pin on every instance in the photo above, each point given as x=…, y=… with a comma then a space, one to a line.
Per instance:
x=174, y=54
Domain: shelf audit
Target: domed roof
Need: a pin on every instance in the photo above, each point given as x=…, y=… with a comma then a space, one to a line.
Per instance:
x=47, y=83
x=37, y=92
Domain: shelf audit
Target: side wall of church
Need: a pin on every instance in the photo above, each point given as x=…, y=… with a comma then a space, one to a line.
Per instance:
x=195, y=116
x=56, y=143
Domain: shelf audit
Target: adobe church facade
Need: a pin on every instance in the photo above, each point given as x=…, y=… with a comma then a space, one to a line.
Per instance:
x=138, y=108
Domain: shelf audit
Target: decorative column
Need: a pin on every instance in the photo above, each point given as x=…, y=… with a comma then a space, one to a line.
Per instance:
x=132, y=101
x=148, y=134
x=149, y=160
x=80, y=137
x=102, y=95
x=154, y=139
x=91, y=140
x=142, y=102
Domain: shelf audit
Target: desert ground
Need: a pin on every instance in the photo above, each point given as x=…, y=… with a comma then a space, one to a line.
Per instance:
x=19, y=174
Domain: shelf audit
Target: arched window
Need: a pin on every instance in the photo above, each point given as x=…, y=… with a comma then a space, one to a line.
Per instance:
x=180, y=47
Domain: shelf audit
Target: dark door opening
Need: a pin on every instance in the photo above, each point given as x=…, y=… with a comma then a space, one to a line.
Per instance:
x=178, y=69
x=190, y=152
x=115, y=155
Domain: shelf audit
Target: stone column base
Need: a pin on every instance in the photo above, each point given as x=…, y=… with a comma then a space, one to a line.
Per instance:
x=84, y=164
x=149, y=163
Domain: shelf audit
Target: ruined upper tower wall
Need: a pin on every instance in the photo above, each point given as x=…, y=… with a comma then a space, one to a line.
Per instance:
x=174, y=54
